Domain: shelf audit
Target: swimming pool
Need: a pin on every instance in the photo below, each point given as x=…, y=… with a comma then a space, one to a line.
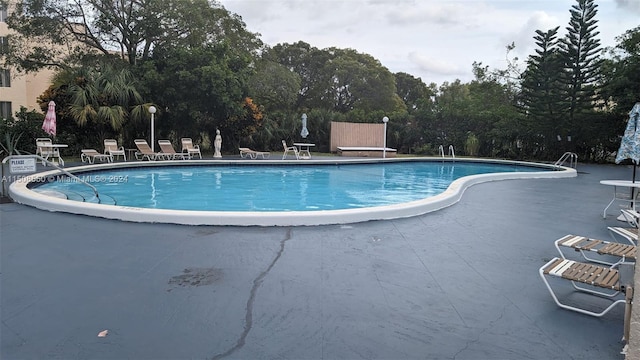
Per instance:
x=274, y=193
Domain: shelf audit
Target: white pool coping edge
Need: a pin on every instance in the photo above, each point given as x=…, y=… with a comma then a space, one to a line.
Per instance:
x=20, y=193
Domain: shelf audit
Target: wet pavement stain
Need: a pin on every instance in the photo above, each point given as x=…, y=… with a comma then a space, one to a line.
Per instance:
x=193, y=277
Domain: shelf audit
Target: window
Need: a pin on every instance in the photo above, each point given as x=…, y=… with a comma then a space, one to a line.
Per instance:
x=3, y=13
x=4, y=45
x=5, y=78
x=5, y=109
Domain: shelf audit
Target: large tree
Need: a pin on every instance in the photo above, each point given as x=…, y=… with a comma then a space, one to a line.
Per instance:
x=201, y=89
x=452, y=115
x=542, y=96
x=93, y=103
x=56, y=33
x=192, y=58
x=413, y=91
x=581, y=49
x=493, y=120
x=104, y=95
x=336, y=79
x=308, y=63
x=274, y=86
x=621, y=87
x=622, y=73
x=358, y=81
x=541, y=87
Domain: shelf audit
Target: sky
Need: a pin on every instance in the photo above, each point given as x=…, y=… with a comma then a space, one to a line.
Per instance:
x=435, y=40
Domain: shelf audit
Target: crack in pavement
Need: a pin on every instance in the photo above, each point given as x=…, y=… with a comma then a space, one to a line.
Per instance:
x=248, y=318
x=476, y=340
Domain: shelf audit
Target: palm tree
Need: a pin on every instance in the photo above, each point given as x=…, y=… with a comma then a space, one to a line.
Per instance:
x=104, y=95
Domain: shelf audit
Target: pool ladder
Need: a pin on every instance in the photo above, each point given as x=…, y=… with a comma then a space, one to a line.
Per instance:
x=571, y=157
x=452, y=153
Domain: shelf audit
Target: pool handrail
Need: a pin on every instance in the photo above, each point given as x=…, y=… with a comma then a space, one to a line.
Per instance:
x=452, y=153
x=568, y=156
x=45, y=161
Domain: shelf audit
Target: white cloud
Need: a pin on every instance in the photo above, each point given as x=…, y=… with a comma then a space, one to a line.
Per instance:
x=432, y=65
x=523, y=38
x=633, y=5
x=427, y=13
x=435, y=40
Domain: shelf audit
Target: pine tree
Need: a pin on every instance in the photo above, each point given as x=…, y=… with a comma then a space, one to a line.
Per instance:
x=540, y=86
x=542, y=94
x=580, y=49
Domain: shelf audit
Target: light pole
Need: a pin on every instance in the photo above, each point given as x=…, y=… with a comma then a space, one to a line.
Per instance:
x=385, y=120
x=152, y=111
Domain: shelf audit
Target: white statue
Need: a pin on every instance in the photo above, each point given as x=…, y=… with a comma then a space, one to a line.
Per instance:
x=217, y=144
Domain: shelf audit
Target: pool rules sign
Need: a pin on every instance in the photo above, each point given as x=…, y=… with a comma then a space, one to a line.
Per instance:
x=22, y=165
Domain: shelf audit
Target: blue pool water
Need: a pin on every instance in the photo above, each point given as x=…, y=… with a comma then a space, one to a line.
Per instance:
x=273, y=188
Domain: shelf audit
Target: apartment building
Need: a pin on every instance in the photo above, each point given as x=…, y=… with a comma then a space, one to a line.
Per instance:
x=18, y=89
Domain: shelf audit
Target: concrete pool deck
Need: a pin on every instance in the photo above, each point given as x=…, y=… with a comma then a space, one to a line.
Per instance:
x=459, y=283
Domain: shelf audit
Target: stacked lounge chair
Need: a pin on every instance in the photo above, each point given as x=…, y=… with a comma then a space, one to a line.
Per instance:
x=607, y=273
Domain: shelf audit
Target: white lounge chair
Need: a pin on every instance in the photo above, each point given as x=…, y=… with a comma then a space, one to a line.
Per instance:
x=247, y=152
x=111, y=148
x=597, y=278
x=630, y=233
x=189, y=148
x=169, y=152
x=605, y=249
x=145, y=152
x=288, y=149
x=91, y=155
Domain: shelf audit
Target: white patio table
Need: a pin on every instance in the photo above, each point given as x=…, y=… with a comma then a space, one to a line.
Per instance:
x=622, y=190
x=53, y=151
x=303, y=150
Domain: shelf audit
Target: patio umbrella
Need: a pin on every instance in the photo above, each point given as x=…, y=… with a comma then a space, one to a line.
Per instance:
x=630, y=144
x=305, y=132
x=49, y=124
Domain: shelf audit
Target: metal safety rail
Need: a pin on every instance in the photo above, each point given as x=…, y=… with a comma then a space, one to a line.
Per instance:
x=568, y=156
x=44, y=161
x=452, y=153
